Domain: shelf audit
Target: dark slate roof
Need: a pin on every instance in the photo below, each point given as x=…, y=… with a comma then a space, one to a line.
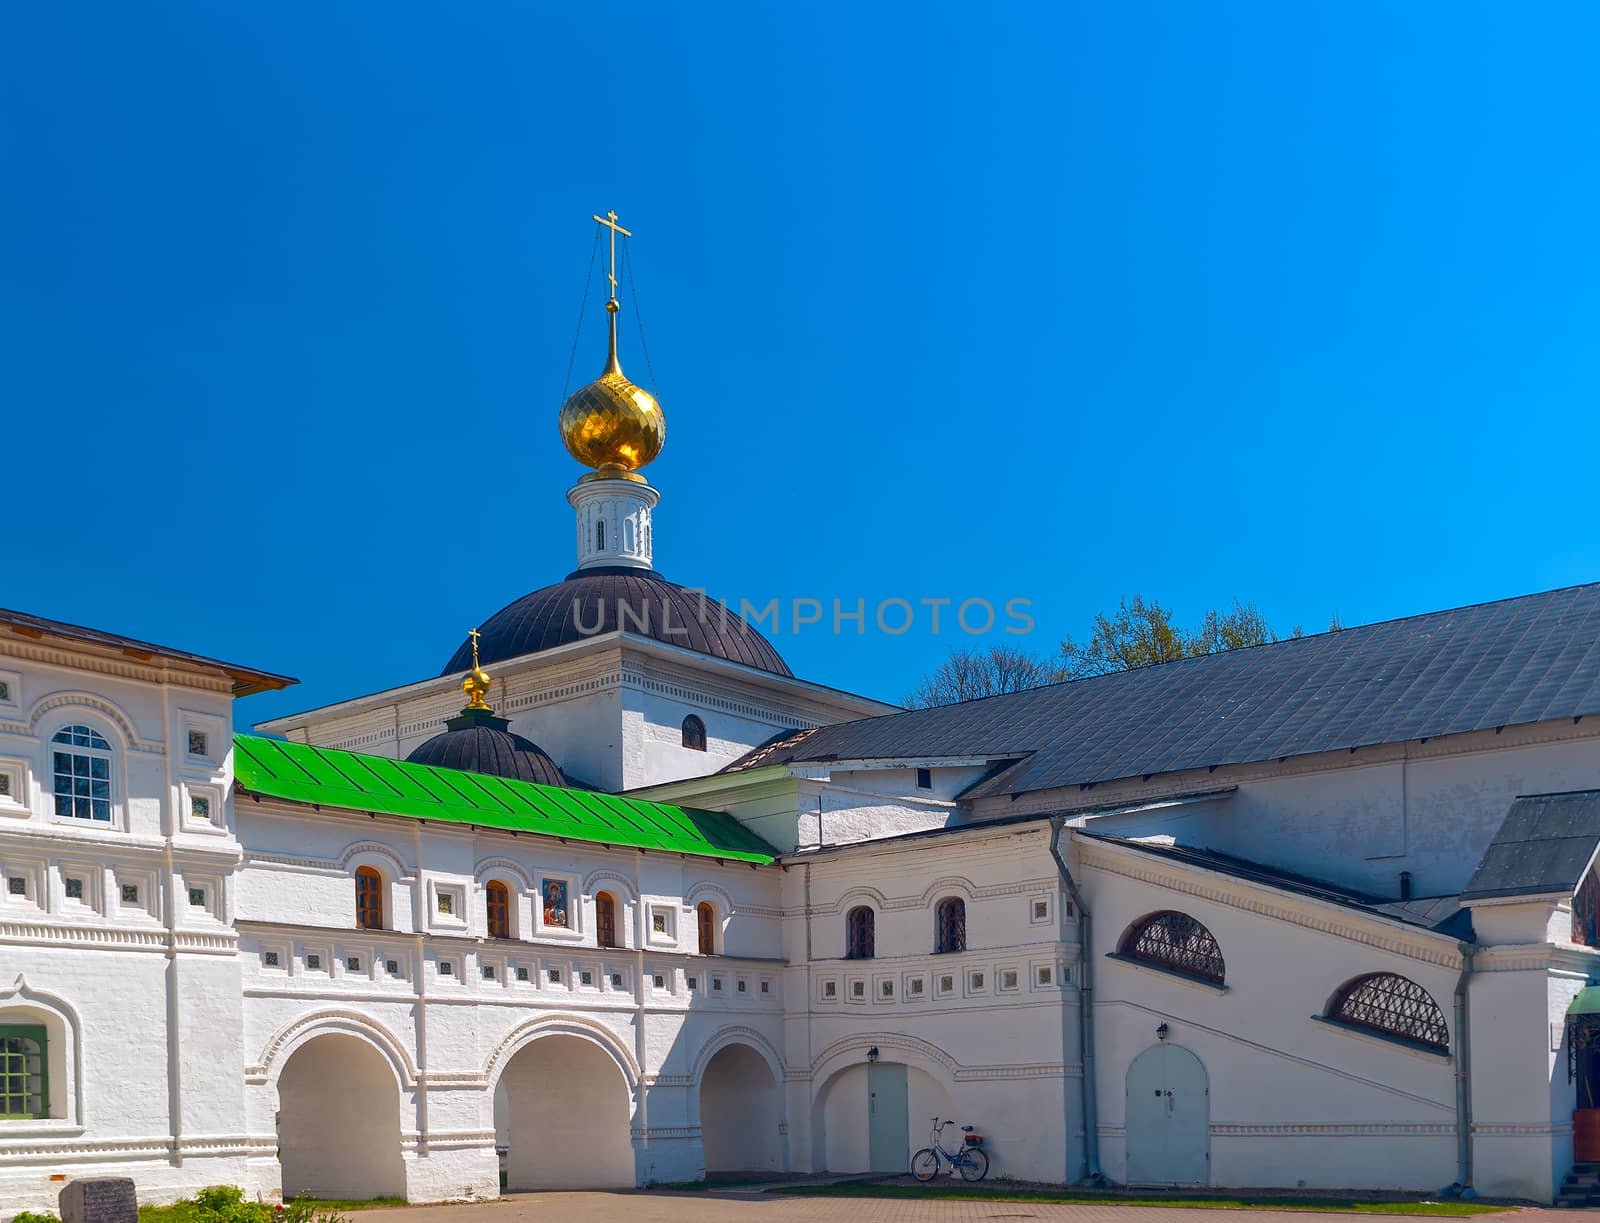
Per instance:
x=604, y=600
x=246, y=680
x=1528, y=659
x=1441, y=914
x=1543, y=847
x=479, y=742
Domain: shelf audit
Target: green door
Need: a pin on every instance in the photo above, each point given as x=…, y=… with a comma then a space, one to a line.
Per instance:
x=888, y=1127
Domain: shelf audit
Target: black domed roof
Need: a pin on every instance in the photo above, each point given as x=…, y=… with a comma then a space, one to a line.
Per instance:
x=479, y=742
x=602, y=600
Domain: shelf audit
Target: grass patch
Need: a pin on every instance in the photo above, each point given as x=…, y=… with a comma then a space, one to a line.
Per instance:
x=729, y=1182
x=189, y=1212
x=969, y=1193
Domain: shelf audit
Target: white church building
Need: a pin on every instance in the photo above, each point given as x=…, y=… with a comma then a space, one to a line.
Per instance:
x=652, y=907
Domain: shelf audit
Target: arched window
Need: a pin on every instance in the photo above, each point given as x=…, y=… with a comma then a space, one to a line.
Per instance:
x=605, y=919
x=81, y=769
x=1177, y=943
x=1393, y=1006
x=860, y=938
x=24, y=1071
x=369, y=898
x=694, y=734
x=706, y=920
x=600, y=536
x=950, y=922
x=497, y=899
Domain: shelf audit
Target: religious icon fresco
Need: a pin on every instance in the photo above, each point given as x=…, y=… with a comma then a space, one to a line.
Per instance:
x=555, y=902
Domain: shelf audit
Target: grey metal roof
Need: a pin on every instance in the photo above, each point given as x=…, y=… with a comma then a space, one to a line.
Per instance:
x=1528, y=659
x=1543, y=847
x=1441, y=914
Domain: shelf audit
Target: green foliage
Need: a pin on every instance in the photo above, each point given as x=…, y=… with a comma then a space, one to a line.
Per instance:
x=1138, y=634
x=227, y=1204
x=33, y=1216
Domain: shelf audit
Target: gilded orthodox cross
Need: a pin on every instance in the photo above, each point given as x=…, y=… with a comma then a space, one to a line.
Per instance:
x=610, y=222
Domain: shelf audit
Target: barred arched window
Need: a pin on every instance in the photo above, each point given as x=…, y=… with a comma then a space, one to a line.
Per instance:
x=1393, y=1006
x=860, y=938
x=1176, y=942
x=497, y=901
x=694, y=734
x=950, y=925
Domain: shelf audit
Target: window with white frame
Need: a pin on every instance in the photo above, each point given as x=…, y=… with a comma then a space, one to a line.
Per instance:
x=81, y=774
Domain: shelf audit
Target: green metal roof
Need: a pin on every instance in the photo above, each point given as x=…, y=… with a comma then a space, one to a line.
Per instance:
x=328, y=777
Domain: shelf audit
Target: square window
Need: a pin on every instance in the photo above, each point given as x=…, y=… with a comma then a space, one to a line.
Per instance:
x=716, y=984
x=947, y=984
x=17, y=885
x=658, y=921
x=914, y=987
x=694, y=982
x=447, y=904
x=522, y=973
x=858, y=989
x=830, y=989
x=197, y=743
x=886, y=989
x=392, y=967
x=585, y=977
x=660, y=981
x=1044, y=975
x=314, y=961
x=975, y=980
x=130, y=893
x=924, y=779
x=270, y=958
x=766, y=987
x=200, y=806
x=742, y=987
x=74, y=888
x=1041, y=909
x=488, y=972
x=616, y=980
x=555, y=976
x=5, y=785
x=5, y=690
x=1008, y=978
x=197, y=897
x=446, y=968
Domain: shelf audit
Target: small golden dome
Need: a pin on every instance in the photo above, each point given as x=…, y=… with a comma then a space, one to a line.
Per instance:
x=612, y=425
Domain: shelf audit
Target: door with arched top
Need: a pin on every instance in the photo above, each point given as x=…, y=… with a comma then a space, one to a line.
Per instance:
x=1168, y=1118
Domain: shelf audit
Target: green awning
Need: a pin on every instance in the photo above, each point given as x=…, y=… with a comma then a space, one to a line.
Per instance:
x=1587, y=1002
x=299, y=773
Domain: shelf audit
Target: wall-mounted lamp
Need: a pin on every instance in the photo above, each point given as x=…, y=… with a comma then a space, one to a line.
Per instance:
x=872, y=1054
x=1163, y=1032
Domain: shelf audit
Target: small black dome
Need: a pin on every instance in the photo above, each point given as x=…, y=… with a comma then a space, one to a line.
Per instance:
x=602, y=600
x=479, y=742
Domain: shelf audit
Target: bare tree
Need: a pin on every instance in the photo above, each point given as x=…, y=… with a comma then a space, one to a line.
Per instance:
x=968, y=674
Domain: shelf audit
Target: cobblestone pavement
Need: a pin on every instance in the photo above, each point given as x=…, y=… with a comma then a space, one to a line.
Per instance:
x=733, y=1207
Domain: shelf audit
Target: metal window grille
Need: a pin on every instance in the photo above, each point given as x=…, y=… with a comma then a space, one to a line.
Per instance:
x=1176, y=941
x=1395, y=1006
x=860, y=934
x=951, y=920
x=694, y=734
x=24, y=1072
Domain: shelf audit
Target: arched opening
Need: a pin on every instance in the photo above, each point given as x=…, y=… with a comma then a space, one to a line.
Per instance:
x=739, y=1113
x=1177, y=943
x=369, y=898
x=870, y=1117
x=706, y=922
x=497, y=901
x=1168, y=1119
x=605, y=919
x=563, y=1113
x=339, y=1121
x=694, y=734
x=860, y=936
x=950, y=924
x=600, y=536
x=1392, y=1006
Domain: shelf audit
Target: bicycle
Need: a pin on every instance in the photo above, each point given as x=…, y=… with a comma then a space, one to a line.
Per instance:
x=970, y=1159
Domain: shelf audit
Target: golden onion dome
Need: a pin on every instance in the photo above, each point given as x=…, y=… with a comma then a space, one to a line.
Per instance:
x=612, y=425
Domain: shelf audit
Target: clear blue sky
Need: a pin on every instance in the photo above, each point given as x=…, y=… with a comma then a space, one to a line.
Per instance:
x=1295, y=303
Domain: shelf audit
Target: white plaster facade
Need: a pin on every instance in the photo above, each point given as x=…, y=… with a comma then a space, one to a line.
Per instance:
x=226, y=1020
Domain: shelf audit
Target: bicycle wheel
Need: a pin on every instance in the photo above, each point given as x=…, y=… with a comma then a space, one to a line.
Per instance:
x=976, y=1165
x=924, y=1164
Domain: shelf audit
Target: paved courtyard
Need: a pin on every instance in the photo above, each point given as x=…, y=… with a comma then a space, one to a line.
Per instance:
x=731, y=1207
